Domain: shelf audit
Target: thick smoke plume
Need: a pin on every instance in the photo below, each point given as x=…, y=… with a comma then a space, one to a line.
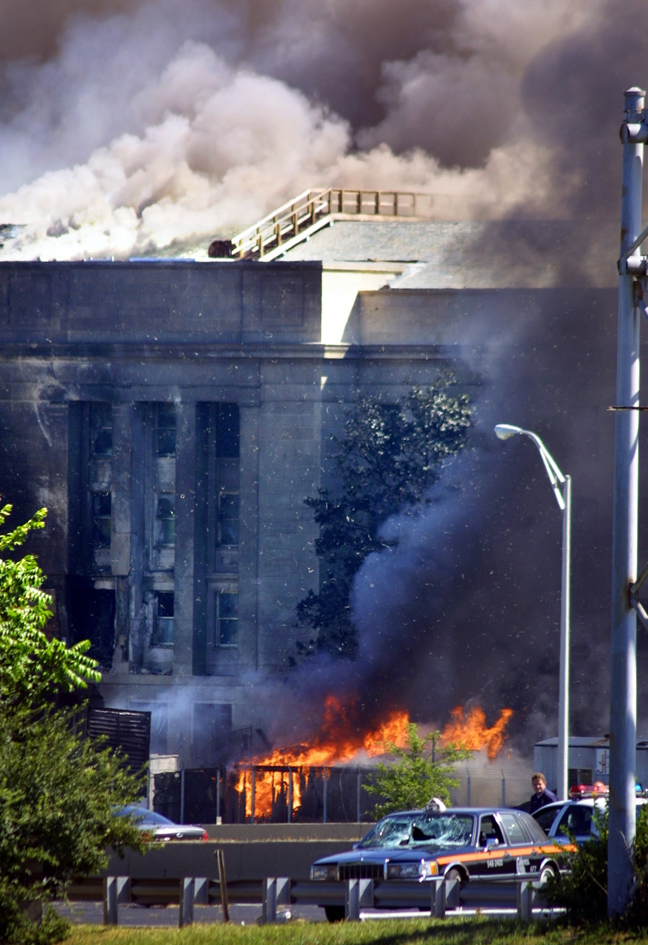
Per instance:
x=151, y=126
x=133, y=127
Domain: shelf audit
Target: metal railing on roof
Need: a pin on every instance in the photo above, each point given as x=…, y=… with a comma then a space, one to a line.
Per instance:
x=314, y=208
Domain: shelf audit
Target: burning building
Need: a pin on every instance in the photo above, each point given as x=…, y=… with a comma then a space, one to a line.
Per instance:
x=173, y=415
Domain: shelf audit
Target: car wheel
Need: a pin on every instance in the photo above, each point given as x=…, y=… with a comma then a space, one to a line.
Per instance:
x=334, y=913
x=454, y=902
x=546, y=873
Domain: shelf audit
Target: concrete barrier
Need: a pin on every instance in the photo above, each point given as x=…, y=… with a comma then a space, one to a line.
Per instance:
x=245, y=859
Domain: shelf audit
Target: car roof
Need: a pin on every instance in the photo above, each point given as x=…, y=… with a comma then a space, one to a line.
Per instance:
x=456, y=810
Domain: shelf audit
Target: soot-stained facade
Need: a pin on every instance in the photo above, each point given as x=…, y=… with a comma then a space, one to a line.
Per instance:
x=173, y=417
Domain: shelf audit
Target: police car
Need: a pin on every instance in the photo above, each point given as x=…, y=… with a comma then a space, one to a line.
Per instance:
x=462, y=842
x=575, y=819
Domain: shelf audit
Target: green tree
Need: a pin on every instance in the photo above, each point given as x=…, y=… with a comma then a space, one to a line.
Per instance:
x=32, y=664
x=388, y=459
x=58, y=791
x=422, y=769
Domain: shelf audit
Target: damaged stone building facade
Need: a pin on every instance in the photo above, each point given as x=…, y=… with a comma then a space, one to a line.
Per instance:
x=173, y=416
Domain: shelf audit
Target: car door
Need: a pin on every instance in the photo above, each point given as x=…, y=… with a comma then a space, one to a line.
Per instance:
x=495, y=859
x=521, y=856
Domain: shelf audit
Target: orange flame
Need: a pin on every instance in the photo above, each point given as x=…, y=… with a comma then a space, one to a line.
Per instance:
x=469, y=730
x=340, y=742
x=337, y=743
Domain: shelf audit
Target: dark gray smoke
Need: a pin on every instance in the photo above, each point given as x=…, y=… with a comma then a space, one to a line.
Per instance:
x=132, y=127
x=129, y=126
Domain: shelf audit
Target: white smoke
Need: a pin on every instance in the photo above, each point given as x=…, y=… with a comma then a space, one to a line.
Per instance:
x=163, y=125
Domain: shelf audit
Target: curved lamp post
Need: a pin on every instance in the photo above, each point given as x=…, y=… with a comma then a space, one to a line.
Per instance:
x=561, y=486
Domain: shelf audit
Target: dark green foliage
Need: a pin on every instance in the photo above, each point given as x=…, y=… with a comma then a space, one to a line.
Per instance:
x=583, y=891
x=424, y=769
x=388, y=459
x=31, y=664
x=58, y=791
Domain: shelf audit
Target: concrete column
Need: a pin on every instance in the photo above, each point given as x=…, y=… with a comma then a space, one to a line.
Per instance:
x=248, y=645
x=183, y=622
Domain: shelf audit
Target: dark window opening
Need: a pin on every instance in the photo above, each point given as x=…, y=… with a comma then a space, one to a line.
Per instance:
x=165, y=430
x=228, y=518
x=92, y=617
x=163, y=618
x=165, y=520
x=101, y=430
x=227, y=431
x=101, y=510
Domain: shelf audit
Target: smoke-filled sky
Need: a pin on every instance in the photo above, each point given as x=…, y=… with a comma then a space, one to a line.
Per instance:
x=133, y=126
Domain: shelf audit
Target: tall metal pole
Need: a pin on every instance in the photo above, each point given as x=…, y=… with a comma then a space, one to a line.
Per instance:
x=623, y=658
x=563, y=690
x=563, y=498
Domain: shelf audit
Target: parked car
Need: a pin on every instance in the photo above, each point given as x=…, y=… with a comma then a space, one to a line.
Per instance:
x=565, y=819
x=463, y=843
x=160, y=828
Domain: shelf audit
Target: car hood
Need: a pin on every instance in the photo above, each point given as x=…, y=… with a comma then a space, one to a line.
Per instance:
x=393, y=854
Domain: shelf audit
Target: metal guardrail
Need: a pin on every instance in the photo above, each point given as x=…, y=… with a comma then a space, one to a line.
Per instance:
x=438, y=895
x=290, y=223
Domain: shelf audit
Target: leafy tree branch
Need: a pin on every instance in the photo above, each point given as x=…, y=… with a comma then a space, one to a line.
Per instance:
x=388, y=459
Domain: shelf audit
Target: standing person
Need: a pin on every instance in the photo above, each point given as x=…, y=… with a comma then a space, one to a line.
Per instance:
x=542, y=793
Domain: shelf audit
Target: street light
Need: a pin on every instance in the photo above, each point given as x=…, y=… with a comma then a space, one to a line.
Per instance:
x=563, y=498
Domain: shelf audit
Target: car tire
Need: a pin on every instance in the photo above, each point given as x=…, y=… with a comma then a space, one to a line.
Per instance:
x=454, y=873
x=546, y=873
x=334, y=913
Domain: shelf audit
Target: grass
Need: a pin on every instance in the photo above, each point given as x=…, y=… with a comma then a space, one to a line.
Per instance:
x=455, y=931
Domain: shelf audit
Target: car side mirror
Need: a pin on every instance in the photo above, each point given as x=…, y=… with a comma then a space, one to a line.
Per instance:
x=492, y=842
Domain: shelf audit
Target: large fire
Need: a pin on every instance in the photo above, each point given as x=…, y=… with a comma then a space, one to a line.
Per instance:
x=339, y=742
x=336, y=743
x=469, y=730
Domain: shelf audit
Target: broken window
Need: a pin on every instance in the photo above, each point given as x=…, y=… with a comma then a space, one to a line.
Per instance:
x=101, y=511
x=165, y=520
x=163, y=618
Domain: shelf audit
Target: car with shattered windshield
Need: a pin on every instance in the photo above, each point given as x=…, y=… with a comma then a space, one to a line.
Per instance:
x=458, y=843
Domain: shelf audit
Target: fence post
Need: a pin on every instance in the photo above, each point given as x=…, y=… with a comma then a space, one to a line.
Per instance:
x=222, y=883
x=116, y=890
x=290, y=794
x=253, y=793
x=468, y=790
x=438, y=904
x=524, y=902
x=325, y=800
x=358, y=786
x=186, y=911
x=503, y=789
x=269, y=903
x=359, y=894
x=182, y=795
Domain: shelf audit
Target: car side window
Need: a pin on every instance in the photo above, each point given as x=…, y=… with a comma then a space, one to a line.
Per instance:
x=576, y=821
x=513, y=828
x=545, y=817
x=489, y=829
